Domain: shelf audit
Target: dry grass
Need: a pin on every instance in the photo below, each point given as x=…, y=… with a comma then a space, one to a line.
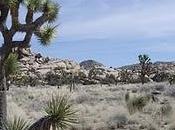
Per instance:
x=100, y=108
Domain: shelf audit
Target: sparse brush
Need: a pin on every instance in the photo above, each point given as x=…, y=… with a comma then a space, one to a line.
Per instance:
x=136, y=103
x=171, y=79
x=152, y=127
x=172, y=127
x=166, y=109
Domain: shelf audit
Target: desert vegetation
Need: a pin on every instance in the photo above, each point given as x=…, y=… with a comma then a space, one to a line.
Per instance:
x=49, y=11
x=145, y=62
x=149, y=106
x=42, y=93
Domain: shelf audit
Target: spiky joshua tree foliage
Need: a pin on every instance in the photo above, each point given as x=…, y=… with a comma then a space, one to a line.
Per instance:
x=11, y=65
x=145, y=63
x=42, y=27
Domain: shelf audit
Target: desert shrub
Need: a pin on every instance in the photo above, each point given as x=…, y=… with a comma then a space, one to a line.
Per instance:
x=170, y=91
x=20, y=80
x=172, y=127
x=81, y=75
x=151, y=127
x=56, y=78
x=125, y=76
x=82, y=98
x=171, y=79
x=94, y=72
x=135, y=104
x=161, y=76
x=159, y=87
x=110, y=78
x=24, y=80
x=117, y=121
x=166, y=109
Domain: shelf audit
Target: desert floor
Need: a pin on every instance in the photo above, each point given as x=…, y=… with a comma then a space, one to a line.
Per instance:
x=100, y=107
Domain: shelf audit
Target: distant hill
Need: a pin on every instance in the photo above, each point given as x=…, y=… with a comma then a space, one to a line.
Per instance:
x=88, y=64
x=160, y=65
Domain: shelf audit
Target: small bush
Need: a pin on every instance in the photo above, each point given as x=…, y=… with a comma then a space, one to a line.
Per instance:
x=135, y=104
x=118, y=121
x=166, y=109
x=170, y=92
x=171, y=79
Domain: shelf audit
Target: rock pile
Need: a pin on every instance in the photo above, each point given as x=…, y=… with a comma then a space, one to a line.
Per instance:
x=38, y=70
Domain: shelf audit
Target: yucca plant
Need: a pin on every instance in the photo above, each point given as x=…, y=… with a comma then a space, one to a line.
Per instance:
x=59, y=115
x=16, y=124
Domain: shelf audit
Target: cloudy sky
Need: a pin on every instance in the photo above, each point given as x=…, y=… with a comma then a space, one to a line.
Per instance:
x=114, y=32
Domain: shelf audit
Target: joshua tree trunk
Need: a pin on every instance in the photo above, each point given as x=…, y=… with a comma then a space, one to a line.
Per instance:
x=54, y=127
x=3, y=102
x=11, y=8
x=4, y=52
x=142, y=78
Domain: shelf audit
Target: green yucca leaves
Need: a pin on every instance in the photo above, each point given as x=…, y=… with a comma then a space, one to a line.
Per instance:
x=16, y=124
x=35, y=5
x=47, y=6
x=11, y=3
x=60, y=113
x=47, y=34
x=11, y=64
x=52, y=9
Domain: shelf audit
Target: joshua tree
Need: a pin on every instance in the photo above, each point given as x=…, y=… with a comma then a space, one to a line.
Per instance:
x=40, y=27
x=145, y=66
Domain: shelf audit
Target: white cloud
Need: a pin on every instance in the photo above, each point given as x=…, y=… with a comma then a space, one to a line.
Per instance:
x=139, y=20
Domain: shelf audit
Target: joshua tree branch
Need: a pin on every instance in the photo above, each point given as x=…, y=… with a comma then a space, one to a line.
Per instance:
x=15, y=14
x=29, y=16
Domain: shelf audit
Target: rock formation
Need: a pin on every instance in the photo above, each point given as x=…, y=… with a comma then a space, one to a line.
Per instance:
x=38, y=70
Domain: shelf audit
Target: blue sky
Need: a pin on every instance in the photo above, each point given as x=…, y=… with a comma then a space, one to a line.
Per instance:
x=114, y=32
